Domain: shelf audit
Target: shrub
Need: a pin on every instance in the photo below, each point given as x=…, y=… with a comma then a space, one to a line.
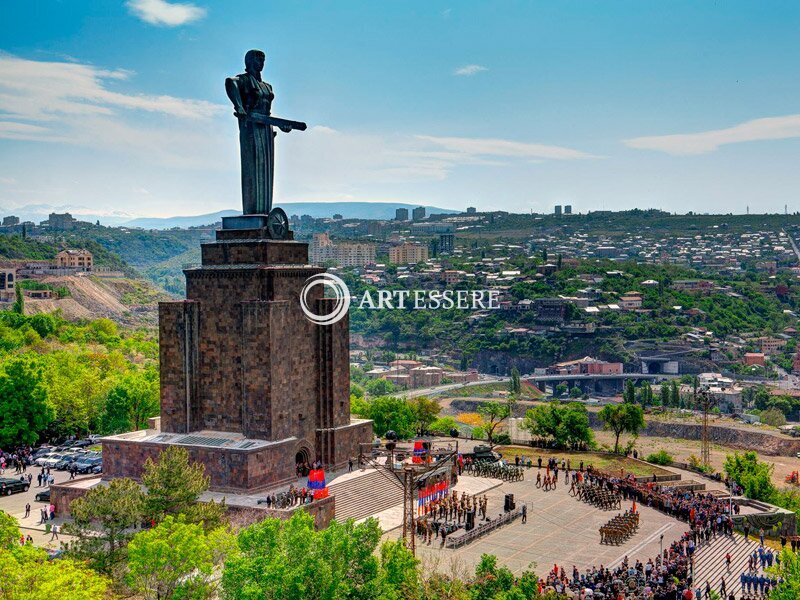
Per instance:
x=773, y=417
x=662, y=457
x=502, y=439
x=478, y=433
x=443, y=425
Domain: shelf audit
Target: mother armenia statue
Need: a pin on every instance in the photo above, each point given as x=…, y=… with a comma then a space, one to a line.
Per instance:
x=252, y=104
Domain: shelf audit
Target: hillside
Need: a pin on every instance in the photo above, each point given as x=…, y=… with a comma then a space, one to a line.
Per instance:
x=130, y=302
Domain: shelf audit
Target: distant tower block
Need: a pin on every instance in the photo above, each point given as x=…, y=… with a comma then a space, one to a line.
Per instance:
x=401, y=214
x=447, y=243
x=471, y=210
x=557, y=210
x=418, y=213
x=568, y=209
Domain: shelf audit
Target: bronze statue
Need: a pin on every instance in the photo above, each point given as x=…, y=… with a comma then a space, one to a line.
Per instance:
x=252, y=103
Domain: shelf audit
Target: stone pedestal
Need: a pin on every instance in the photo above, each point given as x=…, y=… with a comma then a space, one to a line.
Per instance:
x=240, y=362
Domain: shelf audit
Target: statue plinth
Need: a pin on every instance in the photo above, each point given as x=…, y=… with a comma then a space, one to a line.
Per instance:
x=245, y=222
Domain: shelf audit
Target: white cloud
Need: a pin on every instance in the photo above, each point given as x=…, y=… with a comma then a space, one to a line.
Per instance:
x=75, y=103
x=43, y=91
x=469, y=70
x=324, y=162
x=475, y=147
x=169, y=14
x=772, y=128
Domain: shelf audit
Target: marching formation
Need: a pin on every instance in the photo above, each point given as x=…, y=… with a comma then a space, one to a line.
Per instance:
x=620, y=528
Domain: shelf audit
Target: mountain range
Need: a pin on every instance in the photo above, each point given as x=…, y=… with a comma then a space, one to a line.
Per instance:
x=348, y=210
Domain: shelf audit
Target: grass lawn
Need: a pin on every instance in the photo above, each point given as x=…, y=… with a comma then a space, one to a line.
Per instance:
x=604, y=462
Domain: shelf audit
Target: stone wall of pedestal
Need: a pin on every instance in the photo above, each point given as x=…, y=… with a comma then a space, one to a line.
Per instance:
x=230, y=470
x=323, y=512
x=63, y=494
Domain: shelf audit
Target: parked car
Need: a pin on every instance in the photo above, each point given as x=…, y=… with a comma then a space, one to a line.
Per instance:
x=43, y=496
x=39, y=452
x=87, y=465
x=10, y=486
x=83, y=443
x=50, y=460
x=41, y=458
x=68, y=459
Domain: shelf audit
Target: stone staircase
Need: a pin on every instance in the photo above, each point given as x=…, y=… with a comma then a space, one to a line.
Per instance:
x=709, y=562
x=366, y=495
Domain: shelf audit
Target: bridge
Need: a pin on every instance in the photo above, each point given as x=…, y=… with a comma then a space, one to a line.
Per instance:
x=605, y=384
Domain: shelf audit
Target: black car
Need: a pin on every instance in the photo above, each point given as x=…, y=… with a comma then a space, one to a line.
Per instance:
x=91, y=464
x=10, y=486
x=67, y=460
x=43, y=496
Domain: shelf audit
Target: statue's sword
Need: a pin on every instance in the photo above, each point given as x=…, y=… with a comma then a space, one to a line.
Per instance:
x=282, y=124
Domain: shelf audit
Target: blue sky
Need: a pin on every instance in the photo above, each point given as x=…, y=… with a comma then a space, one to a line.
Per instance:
x=119, y=107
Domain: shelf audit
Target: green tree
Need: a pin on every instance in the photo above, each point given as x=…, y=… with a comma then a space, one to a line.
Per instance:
x=560, y=390
x=399, y=576
x=9, y=531
x=664, y=393
x=380, y=387
x=102, y=522
x=622, y=418
x=674, y=394
x=753, y=475
x=443, y=425
x=491, y=581
x=629, y=393
x=514, y=385
x=425, y=412
x=77, y=391
x=645, y=394
x=576, y=392
x=787, y=571
x=174, y=559
x=286, y=559
x=28, y=574
x=174, y=486
x=24, y=410
x=564, y=424
x=773, y=417
x=493, y=413
x=390, y=413
x=19, y=302
x=132, y=401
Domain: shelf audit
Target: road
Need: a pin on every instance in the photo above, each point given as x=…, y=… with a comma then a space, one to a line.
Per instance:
x=794, y=245
x=15, y=506
x=439, y=389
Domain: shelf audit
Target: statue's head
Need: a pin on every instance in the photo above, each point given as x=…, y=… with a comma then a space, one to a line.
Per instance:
x=254, y=61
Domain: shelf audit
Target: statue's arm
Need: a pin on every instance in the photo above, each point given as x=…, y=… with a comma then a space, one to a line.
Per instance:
x=232, y=89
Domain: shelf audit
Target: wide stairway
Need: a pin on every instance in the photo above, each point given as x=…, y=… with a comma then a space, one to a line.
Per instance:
x=709, y=562
x=365, y=495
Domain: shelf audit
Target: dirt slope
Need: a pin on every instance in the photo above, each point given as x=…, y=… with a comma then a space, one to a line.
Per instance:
x=126, y=301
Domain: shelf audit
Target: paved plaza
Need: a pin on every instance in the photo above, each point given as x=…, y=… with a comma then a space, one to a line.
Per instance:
x=560, y=530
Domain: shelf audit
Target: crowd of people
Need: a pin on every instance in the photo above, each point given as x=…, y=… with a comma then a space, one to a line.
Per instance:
x=669, y=575
x=18, y=459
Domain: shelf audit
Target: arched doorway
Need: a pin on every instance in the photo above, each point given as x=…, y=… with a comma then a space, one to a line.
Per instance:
x=302, y=462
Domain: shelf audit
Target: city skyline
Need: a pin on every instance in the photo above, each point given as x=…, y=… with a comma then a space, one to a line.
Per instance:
x=120, y=108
